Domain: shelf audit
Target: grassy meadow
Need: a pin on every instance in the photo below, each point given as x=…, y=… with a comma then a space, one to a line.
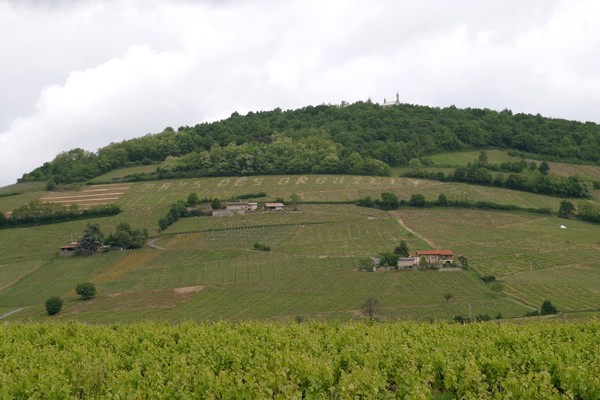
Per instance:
x=206, y=268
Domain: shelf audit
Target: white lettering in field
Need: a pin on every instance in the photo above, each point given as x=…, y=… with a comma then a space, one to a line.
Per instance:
x=182, y=184
x=284, y=181
x=338, y=179
x=224, y=182
x=321, y=180
x=165, y=186
x=197, y=184
x=257, y=181
x=149, y=186
x=302, y=180
x=240, y=181
x=357, y=180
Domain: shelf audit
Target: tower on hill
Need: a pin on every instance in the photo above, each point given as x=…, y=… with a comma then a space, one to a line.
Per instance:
x=391, y=103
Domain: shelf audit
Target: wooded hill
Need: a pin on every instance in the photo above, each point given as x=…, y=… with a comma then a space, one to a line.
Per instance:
x=362, y=138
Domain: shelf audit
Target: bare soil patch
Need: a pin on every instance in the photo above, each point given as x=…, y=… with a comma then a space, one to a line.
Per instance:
x=90, y=196
x=188, y=290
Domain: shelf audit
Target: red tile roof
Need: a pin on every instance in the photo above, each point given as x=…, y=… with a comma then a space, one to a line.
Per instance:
x=432, y=253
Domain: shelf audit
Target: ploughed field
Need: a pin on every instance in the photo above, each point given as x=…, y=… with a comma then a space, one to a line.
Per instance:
x=206, y=268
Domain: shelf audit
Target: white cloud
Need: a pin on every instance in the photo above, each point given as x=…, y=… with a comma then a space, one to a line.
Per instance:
x=99, y=71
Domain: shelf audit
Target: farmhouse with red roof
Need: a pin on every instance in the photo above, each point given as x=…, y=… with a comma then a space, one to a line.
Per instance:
x=434, y=257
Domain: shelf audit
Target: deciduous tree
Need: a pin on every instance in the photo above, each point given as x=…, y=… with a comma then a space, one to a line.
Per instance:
x=92, y=239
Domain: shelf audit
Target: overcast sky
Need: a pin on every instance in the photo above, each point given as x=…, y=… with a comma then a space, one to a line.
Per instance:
x=86, y=73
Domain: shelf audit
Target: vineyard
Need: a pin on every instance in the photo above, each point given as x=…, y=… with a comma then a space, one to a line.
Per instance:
x=311, y=270
x=532, y=257
x=308, y=360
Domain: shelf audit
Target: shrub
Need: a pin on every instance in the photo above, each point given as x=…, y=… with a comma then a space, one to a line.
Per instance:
x=366, y=201
x=193, y=199
x=417, y=200
x=366, y=264
x=86, y=290
x=548, y=308
x=442, y=200
x=488, y=278
x=261, y=247
x=54, y=305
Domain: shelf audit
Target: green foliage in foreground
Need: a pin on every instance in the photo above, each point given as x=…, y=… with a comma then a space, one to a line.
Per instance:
x=302, y=360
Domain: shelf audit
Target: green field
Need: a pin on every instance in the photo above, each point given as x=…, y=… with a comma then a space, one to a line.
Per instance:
x=462, y=158
x=533, y=258
x=206, y=268
x=123, y=172
x=311, y=271
x=447, y=161
x=145, y=202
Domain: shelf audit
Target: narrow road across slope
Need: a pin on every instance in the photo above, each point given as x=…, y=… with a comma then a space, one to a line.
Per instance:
x=152, y=244
x=423, y=238
x=10, y=313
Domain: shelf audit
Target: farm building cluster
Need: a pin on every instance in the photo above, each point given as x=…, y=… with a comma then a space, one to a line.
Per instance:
x=438, y=258
x=243, y=207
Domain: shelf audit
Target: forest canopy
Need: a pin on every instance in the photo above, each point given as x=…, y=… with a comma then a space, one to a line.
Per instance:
x=361, y=138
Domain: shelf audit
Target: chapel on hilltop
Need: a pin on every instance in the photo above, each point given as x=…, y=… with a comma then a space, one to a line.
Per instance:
x=391, y=103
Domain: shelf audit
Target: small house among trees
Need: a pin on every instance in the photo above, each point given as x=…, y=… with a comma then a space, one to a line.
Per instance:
x=68, y=250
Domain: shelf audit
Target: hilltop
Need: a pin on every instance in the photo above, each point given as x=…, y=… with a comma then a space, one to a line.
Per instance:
x=496, y=206
x=360, y=138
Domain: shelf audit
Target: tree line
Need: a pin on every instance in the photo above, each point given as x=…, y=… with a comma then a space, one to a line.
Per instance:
x=330, y=139
x=40, y=213
x=535, y=182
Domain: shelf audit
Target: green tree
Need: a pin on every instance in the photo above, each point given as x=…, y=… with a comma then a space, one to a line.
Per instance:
x=86, y=290
x=448, y=296
x=566, y=209
x=389, y=201
x=402, y=249
x=548, y=308
x=415, y=164
x=417, y=200
x=482, y=161
x=544, y=168
x=389, y=259
x=126, y=237
x=442, y=200
x=366, y=264
x=50, y=185
x=215, y=204
x=369, y=307
x=193, y=199
x=54, y=305
x=91, y=242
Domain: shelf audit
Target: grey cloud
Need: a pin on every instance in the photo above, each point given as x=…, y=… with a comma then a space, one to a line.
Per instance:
x=97, y=72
